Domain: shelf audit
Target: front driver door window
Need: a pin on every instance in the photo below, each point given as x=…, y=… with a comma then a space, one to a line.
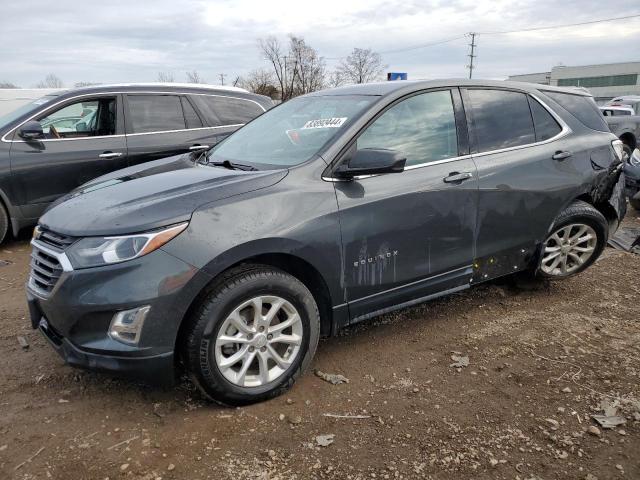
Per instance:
x=86, y=118
x=83, y=139
x=422, y=127
x=407, y=235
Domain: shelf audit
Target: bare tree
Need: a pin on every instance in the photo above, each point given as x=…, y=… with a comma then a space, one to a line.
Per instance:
x=85, y=84
x=259, y=81
x=284, y=73
x=297, y=70
x=8, y=85
x=194, y=77
x=362, y=66
x=166, y=77
x=335, y=79
x=310, y=67
x=50, y=81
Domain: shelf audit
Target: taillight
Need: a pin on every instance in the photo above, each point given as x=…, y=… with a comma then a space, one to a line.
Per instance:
x=618, y=147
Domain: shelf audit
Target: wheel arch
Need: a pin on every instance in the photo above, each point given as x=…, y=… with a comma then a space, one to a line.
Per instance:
x=4, y=203
x=292, y=264
x=605, y=208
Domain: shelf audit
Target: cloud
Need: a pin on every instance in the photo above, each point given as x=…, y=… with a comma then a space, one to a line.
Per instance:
x=120, y=41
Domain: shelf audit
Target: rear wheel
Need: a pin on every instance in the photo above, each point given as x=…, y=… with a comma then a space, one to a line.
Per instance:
x=577, y=239
x=4, y=223
x=253, y=335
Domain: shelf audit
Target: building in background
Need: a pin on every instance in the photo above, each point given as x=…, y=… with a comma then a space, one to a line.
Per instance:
x=603, y=81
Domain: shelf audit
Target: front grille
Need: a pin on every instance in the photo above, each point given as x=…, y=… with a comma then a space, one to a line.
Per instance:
x=55, y=239
x=45, y=270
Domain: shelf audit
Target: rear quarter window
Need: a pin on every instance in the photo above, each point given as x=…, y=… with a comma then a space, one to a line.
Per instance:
x=221, y=110
x=581, y=107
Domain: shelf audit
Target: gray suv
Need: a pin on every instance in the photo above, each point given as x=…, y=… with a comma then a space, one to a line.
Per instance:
x=327, y=210
x=62, y=140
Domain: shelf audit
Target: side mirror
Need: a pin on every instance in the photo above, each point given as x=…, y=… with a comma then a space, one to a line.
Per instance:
x=372, y=161
x=31, y=130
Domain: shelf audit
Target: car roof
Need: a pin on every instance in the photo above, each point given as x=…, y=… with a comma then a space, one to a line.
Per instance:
x=407, y=86
x=151, y=87
x=615, y=107
x=163, y=85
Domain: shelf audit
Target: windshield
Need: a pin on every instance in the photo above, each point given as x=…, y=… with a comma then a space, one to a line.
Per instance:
x=17, y=113
x=292, y=132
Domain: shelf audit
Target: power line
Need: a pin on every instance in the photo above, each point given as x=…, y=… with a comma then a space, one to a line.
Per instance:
x=406, y=49
x=560, y=26
x=550, y=27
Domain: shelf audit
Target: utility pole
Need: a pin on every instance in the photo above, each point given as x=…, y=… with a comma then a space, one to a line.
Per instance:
x=472, y=55
x=222, y=75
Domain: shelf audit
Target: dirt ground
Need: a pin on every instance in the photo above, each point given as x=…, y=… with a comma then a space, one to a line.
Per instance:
x=540, y=363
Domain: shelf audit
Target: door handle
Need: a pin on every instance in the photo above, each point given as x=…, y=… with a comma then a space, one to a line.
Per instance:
x=199, y=147
x=108, y=155
x=561, y=155
x=457, y=177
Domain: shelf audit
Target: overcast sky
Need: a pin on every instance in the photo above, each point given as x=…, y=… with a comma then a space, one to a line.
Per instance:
x=129, y=41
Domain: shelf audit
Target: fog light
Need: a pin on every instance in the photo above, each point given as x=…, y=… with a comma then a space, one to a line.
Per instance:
x=126, y=326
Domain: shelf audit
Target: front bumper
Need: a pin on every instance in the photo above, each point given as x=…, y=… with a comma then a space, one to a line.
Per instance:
x=154, y=369
x=76, y=314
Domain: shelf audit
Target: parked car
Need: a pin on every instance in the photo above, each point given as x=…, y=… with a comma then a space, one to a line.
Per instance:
x=617, y=111
x=626, y=128
x=327, y=210
x=60, y=141
x=632, y=176
x=629, y=101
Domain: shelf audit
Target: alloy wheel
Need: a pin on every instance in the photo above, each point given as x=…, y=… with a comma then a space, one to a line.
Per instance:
x=568, y=248
x=258, y=341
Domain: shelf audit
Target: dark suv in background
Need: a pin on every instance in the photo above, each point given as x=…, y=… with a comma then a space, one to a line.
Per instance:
x=56, y=143
x=327, y=210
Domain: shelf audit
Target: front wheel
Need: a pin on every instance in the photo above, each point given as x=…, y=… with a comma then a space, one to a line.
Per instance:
x=4, y=223
x=577, y=239
x=253, y=335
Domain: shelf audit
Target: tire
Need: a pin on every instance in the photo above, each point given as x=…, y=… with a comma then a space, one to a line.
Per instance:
x=635, y=203
x=4, y=223
x=579, y=235
x=206, y=354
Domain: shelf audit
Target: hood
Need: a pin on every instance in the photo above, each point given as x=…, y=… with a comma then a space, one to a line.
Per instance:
x=149, y=196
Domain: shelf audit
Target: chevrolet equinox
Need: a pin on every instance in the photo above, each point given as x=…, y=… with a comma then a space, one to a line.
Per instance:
x=327, y=210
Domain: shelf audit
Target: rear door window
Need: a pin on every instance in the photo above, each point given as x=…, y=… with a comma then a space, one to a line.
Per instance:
x=221, y=111
x=545, y=125
x=581, y=107
x=501, y=119
x=155, y=113
x=190, y=116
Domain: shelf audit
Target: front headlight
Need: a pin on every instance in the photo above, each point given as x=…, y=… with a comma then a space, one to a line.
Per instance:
x=634, y=159
x=97, y=251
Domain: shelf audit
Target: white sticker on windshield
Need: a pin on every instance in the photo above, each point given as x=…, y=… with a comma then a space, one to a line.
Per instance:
x=335, y=122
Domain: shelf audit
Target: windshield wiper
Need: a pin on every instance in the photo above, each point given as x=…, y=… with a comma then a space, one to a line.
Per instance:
x=233, y=165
